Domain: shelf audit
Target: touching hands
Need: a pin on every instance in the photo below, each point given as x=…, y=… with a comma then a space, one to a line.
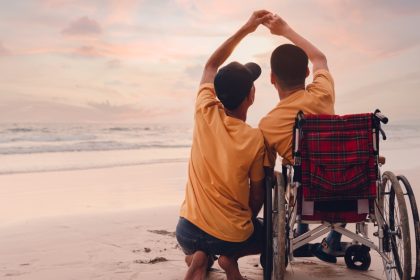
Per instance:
x=273, y=22
x=257, y=18
x=276, y=24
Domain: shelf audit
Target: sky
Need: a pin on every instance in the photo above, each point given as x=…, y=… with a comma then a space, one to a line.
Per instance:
x=141, y=60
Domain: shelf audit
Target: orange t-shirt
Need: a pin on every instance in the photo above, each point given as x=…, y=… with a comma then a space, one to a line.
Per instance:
x=277, y=125
x=226, y=153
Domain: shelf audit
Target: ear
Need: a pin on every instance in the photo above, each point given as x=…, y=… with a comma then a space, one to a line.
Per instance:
x=307, y=72
x=251, y=96
x=272, y=78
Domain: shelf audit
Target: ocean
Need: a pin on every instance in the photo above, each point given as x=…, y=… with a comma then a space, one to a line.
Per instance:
x=26, y=148
x=50, y=147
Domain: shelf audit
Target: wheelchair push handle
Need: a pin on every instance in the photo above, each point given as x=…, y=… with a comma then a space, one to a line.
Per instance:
x=380, y=116
x=300, y=119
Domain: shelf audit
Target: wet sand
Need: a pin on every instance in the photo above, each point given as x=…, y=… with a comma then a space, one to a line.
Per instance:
x=115, y=223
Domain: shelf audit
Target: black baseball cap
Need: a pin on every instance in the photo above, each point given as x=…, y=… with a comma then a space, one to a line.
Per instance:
x=234, y=81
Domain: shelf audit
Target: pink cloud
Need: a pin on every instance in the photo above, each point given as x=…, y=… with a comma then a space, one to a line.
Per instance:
x=122, y=11
x=83, y=26
x=34, y=109
x=88, y=51
x=3, y=50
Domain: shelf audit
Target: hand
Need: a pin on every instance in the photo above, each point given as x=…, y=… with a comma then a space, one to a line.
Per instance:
x=276, y=25
x=256, y=19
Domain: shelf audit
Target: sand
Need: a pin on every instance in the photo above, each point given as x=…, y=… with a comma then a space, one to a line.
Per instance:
x=114, y=223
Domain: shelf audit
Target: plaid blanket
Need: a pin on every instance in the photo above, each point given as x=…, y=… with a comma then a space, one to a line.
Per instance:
x=337, y=159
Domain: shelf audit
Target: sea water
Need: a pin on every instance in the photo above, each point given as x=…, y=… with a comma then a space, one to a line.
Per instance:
x=50, y=147
x=28, y=147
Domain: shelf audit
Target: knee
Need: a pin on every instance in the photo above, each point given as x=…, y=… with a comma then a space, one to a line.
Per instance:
x=226, y=262
x=200, y=259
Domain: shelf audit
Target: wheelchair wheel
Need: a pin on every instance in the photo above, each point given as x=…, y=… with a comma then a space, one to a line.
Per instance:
x=357, y=257
x=396, y=241
x=415, y=216
x=279, y=230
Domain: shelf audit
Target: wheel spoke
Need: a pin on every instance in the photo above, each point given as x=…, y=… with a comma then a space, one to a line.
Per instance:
x=396, y=230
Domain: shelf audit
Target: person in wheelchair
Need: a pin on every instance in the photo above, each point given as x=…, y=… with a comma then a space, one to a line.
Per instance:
x=225, y=189
x=289, y=69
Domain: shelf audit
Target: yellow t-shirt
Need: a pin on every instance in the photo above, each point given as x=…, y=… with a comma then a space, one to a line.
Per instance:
x=226, y=153
x=277, y=125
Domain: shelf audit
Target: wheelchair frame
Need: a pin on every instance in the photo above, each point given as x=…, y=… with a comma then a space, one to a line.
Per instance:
x=390, y=218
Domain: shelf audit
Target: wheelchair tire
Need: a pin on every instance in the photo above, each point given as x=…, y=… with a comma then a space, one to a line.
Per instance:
x=397, y=245
x=279, y=230
x=416, y=223
x=358, y=257
x=266, y=258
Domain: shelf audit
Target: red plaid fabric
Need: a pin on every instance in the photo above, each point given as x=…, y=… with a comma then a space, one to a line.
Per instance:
x=337, y=157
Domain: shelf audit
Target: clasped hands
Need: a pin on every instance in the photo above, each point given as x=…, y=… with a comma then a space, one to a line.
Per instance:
x=273, y=22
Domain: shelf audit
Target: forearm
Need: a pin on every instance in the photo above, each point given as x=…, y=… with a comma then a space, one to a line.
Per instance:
x=256, y=197
x=256, y=206
x=279, y=27
x=313, y=52
x=226, y=49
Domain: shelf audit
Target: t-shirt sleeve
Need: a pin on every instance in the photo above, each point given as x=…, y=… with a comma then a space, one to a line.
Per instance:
x=256, y=172
x=323, y=84
x=206, y=96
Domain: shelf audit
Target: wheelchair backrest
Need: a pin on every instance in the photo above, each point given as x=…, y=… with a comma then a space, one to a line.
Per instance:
x=336, y=157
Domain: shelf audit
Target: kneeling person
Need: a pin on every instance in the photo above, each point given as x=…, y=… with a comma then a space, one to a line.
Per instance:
x=224, y=192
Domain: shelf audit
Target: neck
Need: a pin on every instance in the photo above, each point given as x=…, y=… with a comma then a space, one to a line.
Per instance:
x=237, y=114
x=286, y=93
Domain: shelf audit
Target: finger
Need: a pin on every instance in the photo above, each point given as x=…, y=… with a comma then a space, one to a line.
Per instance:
x=264, y=19
x=260, y=13
x=267, y=17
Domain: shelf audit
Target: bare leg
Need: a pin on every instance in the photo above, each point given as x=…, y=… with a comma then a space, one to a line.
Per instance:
x=197, y=264
x=230, y=266
x=188, y=259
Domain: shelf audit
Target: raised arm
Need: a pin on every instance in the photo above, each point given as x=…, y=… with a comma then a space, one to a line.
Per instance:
x=280, y=27
x=226, y=49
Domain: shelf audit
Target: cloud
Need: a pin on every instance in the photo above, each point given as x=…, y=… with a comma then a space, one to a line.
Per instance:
x=3, y=50
x=119, y=111
x=376, y=28
x=88, y=51
x=393, y=96
x=34, y=109
x=114, y=63
x=84, y=27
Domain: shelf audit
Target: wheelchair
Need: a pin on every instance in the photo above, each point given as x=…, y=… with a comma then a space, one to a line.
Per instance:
x=336, y=179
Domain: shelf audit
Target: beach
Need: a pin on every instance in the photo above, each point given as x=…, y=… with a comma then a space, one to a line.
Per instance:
x=114, y=223
x=117, y=221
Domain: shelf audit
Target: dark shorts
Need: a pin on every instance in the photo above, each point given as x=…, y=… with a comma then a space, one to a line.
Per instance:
x=192, y=239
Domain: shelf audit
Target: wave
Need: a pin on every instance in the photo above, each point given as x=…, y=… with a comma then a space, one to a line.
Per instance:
x=96, y=166
x=128, y=129
x=20, y=129
x=85, y=147
x=55, y=138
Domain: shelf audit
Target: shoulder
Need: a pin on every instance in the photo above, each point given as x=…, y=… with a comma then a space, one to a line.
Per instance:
x=323, y=74
x=322, y=77
x=206, y=90
x=272, y=118
x=206, y=96
x=322, y=84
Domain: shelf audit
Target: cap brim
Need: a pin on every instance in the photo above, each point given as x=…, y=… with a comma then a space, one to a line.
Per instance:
x=254, y=69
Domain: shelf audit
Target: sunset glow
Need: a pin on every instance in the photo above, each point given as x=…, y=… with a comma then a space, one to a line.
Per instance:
x=141, y=61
